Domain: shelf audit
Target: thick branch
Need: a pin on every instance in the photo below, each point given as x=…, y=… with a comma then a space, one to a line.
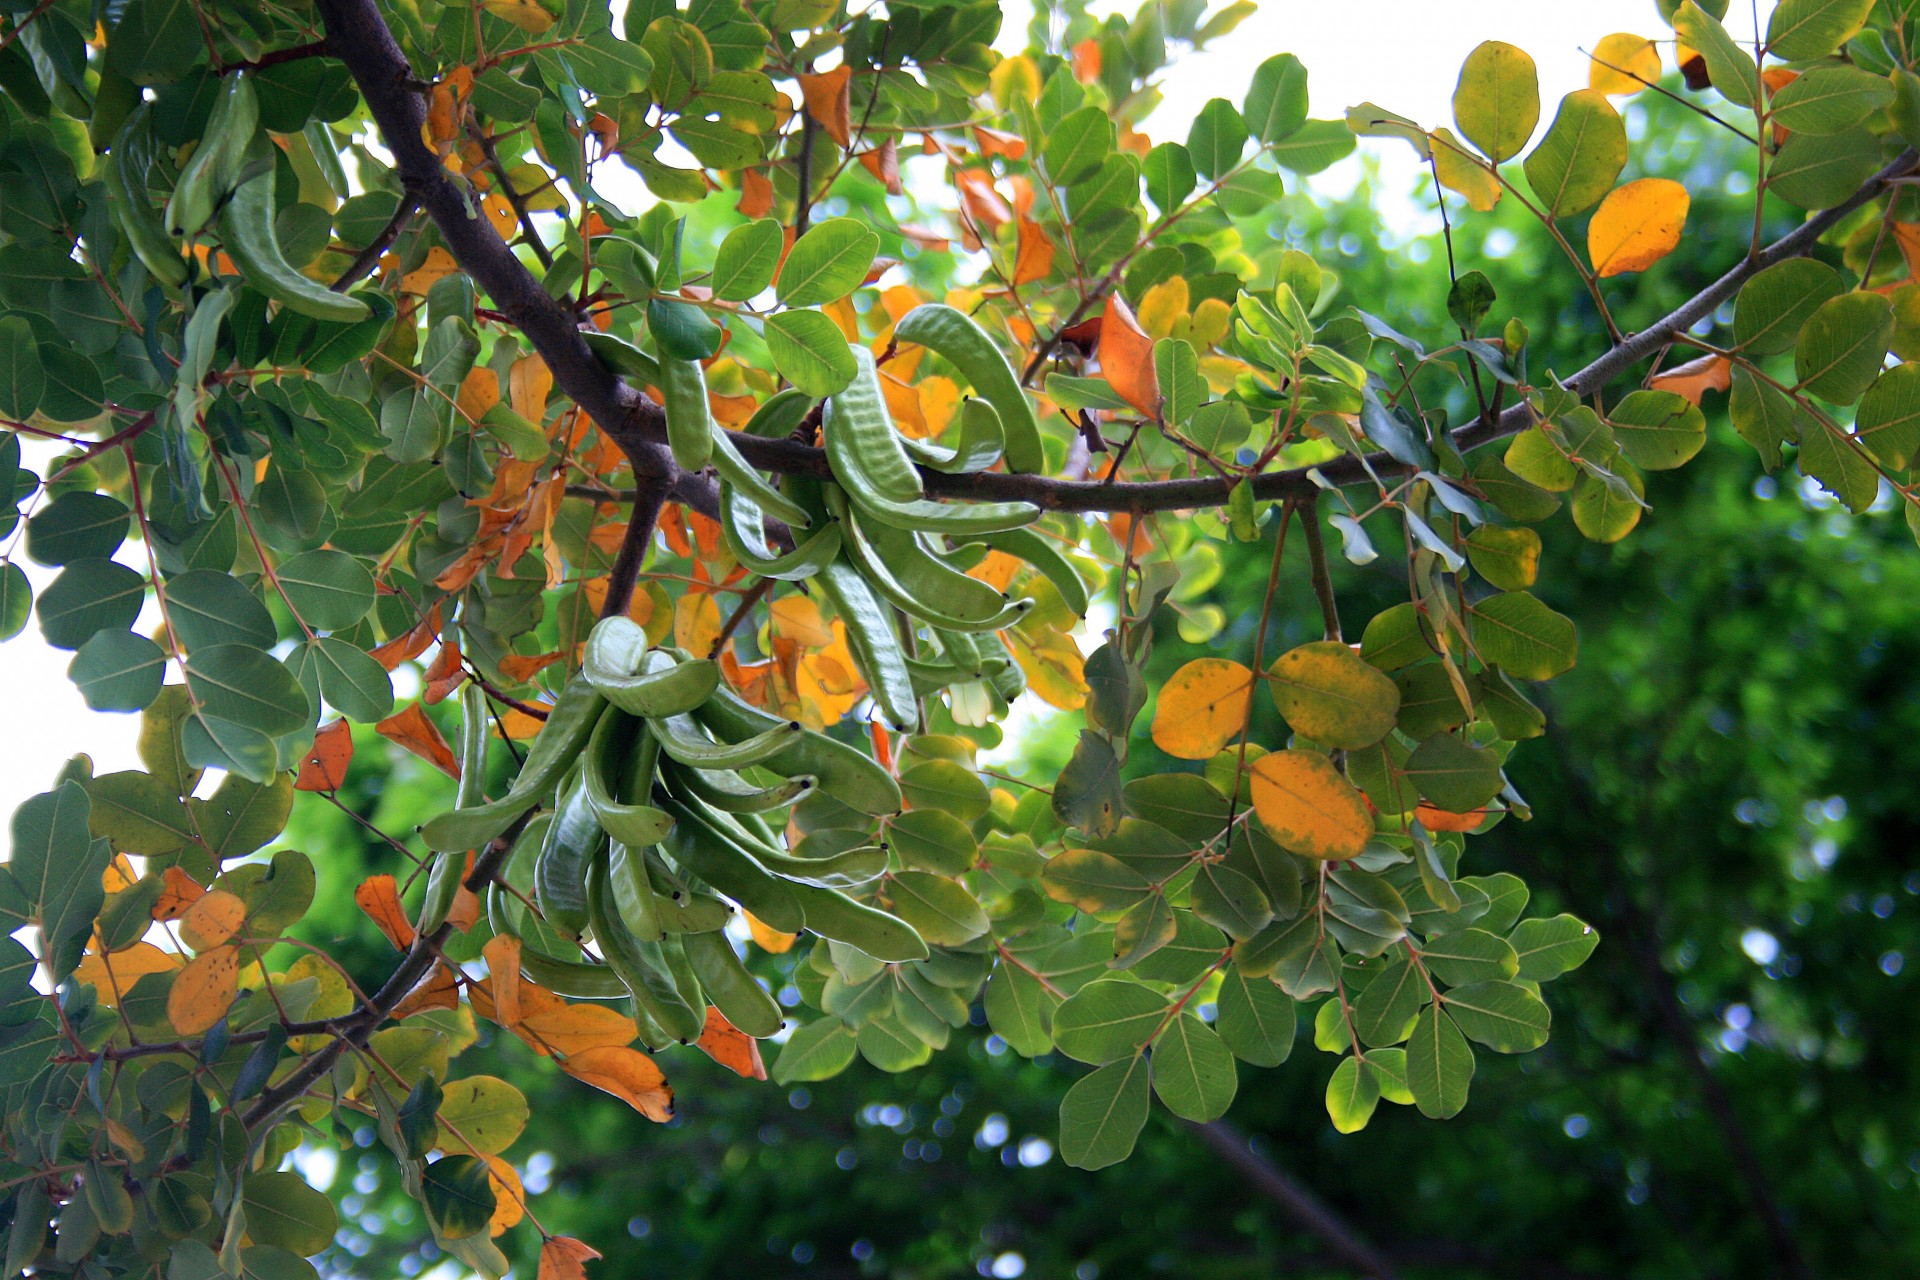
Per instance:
x=359, y=36
x=1300, y=1204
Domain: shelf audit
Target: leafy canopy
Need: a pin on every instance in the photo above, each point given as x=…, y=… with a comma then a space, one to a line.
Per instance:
x=621, y=372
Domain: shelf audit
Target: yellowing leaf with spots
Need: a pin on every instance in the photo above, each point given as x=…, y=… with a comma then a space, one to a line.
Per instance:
x=628, y=1075
x=1329, y=693
x=1304, y=803
x=1636, y=225
x=1623, y=63
x=114, y=975
x=1202, y=708
x=696, y=623
x=204, y=990
x=524, y=14
x=211, y=920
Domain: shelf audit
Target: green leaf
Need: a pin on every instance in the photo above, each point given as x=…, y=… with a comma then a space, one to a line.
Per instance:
x=330, y=590
x=933, y=841
x=247, y=687
x=1314, y=146
x=1019, y=1009
x=22, y=380
x=810, y=352
x=940, y=910
x=1827, y=456
x=1581, y=155
x=1775, y=303
x=1830, y=100
x=1507, y=558
x=1169, y=176
x=1230, y=901
x=1659, y=430
x=77, y=526
x=1819, y=173
x=1801, y=29
x=682, y=330
x=1383, y=1014
x=139, y=813
x=347, y=677
x=1217, y=138
x=1606, y=507
x=487, y=1113
x=283, y=1211
x=887, y=1043
x=1497, y=100
x=1730, y=66
x=747, y=260
x=1525, y=638
x=1843, y=345
x=1181, y=388
x=1470, y=955
x=16, y=600
x=1092, y=881
x=1550, y=947
x=1256, y=1019
x=1765, y=416
x=413, y=420
x=827, y=263
x=1276, y=99
x=58, y=864
x=1107, y=1020
x=118, y=671
x=90, y=596
x=458, y=1195
x=1087, y=792
x=1074, y=394
x=1102, y=1115
x=208, y=608
x=819, y=1050
x=1352, y=1094
x=1439, y=1065
x=1500, y=1015
x=242, y=815
x=1193, y=1072
x=1888, y=420
x=1077, y=147
x=155, y=41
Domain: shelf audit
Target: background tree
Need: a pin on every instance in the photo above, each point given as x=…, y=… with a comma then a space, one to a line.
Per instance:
x=508, y=487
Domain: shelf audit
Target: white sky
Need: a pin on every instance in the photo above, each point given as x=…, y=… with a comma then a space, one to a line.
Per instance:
x=1401, y=54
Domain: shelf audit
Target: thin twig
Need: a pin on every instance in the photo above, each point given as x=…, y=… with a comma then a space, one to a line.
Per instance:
x=368, y=258
x=648, y=499
x=739, y=615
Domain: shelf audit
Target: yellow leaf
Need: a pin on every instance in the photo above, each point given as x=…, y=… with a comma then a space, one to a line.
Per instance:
x=438, y=263
x=939, y=401
x=114, y=975
x=628, y=1075
x=479, y=392
x=529, y=383
x=696, y=623
x=1623, y=63
x=1202, y=708
x=797, y=618
x=1308, y=807
x=509, y=1197
x=211, y=920
x=564, y=1258
x=1015, y=77
x=1164, y=306
x=1210, y=320
x=1636, y=225
x=769, y=939
x=1055, y=671
x=502, y=954
x=524, y=14
x=1329, y=693
x=1462, y=172
x=731, y=1047
x=203, y=991
x=551, y=1025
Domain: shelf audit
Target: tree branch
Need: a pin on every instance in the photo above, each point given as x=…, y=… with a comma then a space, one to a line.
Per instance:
x=368, y=258
x=1296, y=1201
x=648, y=499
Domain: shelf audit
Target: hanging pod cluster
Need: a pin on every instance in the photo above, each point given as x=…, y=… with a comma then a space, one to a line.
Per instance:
x=649, y=784
x=870, y=539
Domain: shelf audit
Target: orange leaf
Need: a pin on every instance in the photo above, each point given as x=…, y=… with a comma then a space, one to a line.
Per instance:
x=1202, y=708
x=994, y=142
x=529, y=383
x=379, y=897
x=628, y=1075
x=828, y=102
x=981, y=204
x=178, y=892
x=883, y=162
x=411, y=643
x=211, y=920
x=440, y=989
x=509, y=1197
x=1695, y=378
x=1434, y=819
x=1034, y=260
x=444, y=675
x=518, y=726
x=204, y=990
x=1126, y=357
x=113, y=975
x=564, y=1258
x=756, y=201
x=1308, y=807
x=438, y=263
x=1636, y=225
x=324, y=767
x=522, y=667
x=502, y=954
x=1907, y=236
x=731, y=1047
x=549, y=1024
x=412, y=730
x=770, y=939
x=1086, y=61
